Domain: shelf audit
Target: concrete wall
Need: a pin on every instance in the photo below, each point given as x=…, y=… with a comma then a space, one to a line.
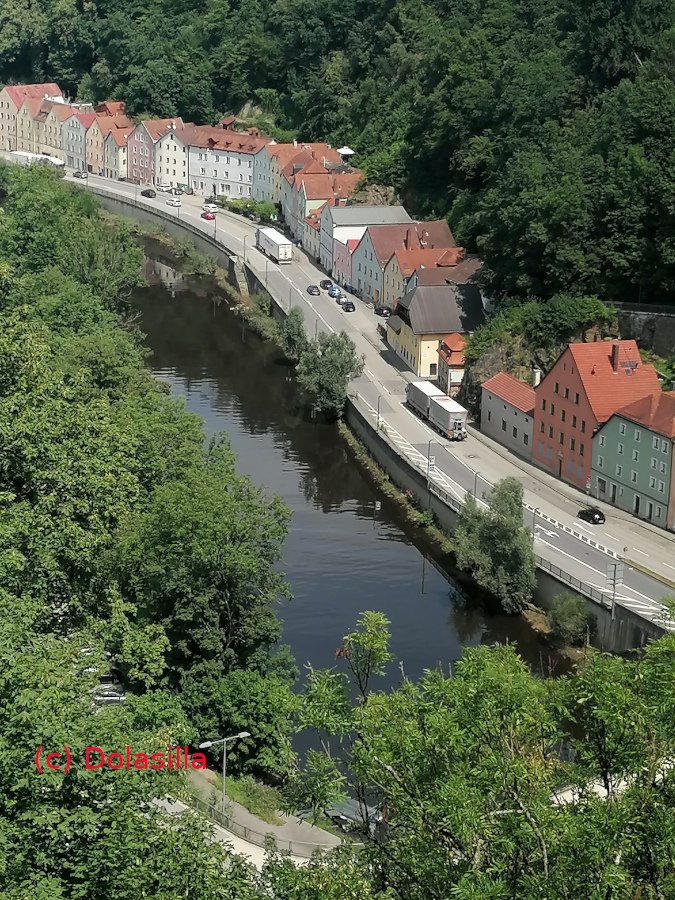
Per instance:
x=653, y=331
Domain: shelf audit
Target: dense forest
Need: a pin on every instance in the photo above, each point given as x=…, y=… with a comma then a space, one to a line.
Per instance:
x=541, y=128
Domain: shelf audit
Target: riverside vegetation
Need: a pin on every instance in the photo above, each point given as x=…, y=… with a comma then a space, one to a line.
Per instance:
x=121, y=532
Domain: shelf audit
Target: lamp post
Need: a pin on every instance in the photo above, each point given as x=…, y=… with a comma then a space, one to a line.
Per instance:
x=534, y=516
x=224, y=741
x=316, y=330
x=429, y=471
x=266, y=261
x=475, y=483
x=245, y=238
x=290, y=297
x=379, y=397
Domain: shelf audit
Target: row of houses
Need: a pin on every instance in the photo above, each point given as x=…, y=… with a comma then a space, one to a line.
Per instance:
x=598, y=420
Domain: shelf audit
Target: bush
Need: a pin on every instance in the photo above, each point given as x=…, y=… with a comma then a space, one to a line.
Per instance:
x=570, y=621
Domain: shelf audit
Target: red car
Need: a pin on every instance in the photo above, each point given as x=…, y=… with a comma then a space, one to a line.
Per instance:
x=208, y=216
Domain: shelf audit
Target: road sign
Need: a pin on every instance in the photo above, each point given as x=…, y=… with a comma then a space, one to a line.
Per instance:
x=432, y=461
x=615, y=574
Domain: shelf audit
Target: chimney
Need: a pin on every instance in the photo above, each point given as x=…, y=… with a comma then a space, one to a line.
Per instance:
x=295, y=143
x=536, y=376
x=615, y=358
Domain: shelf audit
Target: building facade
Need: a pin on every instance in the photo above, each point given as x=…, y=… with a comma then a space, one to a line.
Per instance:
x=451, y=363
x=12, y=97
x=632, y=460
x=27, y=128
x=115, y=153
x=172, y=157
x=221, y=161
x=403, y=263
x=310, y=239
x=507, y=413
x=345, y=223
x=343, y=252
x=585, y=386
x=74, y=131
x=141, y=148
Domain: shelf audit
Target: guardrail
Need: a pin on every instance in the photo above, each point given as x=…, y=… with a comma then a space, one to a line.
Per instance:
x=302, y=849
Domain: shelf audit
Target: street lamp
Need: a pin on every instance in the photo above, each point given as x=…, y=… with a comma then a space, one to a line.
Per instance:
x=432, y=441
x=379, y=397
x=475, y=483
x=224, y=741
x=245, y=238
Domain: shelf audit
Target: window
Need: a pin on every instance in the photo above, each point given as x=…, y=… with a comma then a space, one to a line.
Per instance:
x=202, y=171
x=601, y=462
x=636, y=456
x=662, y=487
x=622, y=427
x=561, y=438
x=574, y=421
x=489, y=415
x=503, y=424
x=526, y=440
x=636, y=435
x=567, y=393
x=664, y=447
x=550, y=431
x=619, y=470
x=572, y=444
x=633, y=476
x=602, y=440
x=653, y=464
x=543, y=405
x=652, y=481
x=515, y=431
x=581, y=449
x=541, y=427
x=602, y=485
x=562, y=415
x=583, y=426
x=619, y=448
x=662, y=468
x=655, y=443
x=658, y=512
x=576, y=396
x=555, y=388
x=432, y=368
x=552, y=409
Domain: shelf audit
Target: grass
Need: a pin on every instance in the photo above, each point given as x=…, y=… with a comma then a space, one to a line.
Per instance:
x=260, y=800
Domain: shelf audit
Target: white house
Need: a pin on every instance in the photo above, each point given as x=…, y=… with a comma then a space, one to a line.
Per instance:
x=74, y=137
x=220, y=160
x=346, y=223
x=115, y=153
x=171, y=157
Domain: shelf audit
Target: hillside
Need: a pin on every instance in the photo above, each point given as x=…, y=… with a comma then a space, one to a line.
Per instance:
x=541, y=128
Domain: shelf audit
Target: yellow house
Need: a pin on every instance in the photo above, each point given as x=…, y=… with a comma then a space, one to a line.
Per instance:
x=27, y=128
x=11, y=99
x=403, y=263
x=51, y=140
x=94, y=139
x=424, y=316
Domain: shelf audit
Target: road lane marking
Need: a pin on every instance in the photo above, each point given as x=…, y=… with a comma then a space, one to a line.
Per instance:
x=669, y=567
x=640, y=551
x=611, y=537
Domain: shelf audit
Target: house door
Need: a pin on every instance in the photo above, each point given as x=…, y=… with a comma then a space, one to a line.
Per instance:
x=636, y=504
x=613, y=497
x=650, y=510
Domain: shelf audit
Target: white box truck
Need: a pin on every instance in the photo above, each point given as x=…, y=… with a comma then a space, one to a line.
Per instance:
x=418, y=394
x=273, y=244
x=448, y=417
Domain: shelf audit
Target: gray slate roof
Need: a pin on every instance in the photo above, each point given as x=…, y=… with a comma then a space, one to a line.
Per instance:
x=436, y=309
x=369, y=215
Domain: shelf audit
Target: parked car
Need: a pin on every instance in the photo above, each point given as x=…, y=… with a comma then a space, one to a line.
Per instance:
x=176, y=192
x=334, y=291
x=349, y=816
x=252, y=217
x=348, y=305
x=383, y=311
x=313, y=290
x=80, y=174
x=121, y=177
x=164, y=188
x=107, y=696
x=326, y=284
x=592, y=515
x=173, y=201
x=148, y=192
x=210, y=207
x=209, y=216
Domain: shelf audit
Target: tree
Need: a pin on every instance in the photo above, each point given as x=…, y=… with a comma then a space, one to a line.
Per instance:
x=570, y=621
x=325, y=369
x=293, y=334
x=496, y=548
x=317, y=786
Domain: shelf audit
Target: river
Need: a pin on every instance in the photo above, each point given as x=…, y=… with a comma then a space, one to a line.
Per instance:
x=347, y=549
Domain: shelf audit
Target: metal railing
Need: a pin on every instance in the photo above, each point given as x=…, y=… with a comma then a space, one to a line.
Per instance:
x=303, y=849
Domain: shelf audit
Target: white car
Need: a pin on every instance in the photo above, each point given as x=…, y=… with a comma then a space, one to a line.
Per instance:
x=173, y=201
x=210, y=207
x=164, y=188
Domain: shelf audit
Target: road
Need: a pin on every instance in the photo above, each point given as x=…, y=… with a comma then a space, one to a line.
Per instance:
x=581, y=550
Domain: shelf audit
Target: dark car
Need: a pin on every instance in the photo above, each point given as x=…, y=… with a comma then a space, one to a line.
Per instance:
x=148, y=192
x=592, y=515
x=383, y=311
x=348, y=306
x=313, y=290
x=326, y=284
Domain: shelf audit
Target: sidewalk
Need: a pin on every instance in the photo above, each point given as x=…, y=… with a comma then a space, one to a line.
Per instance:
x=292, y=834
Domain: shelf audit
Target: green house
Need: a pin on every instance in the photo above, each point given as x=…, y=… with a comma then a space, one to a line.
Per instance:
x=632, y=464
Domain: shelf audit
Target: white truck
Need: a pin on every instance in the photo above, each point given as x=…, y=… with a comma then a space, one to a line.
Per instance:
x=273, y=244
x=418, y=394
x=448, y=417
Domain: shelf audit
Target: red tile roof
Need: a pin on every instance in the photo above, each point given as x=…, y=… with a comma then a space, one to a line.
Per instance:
x=19, y=92
x=222, y=139
x=656, y=412
x=111, y=123
x=352, y=244
x=462, y=273
x=512, y=391
x=111, y=108
x=120, y=135
x=387, y=239
x=451, y=349
x=327, y=186
x=33, y=105
x=156, y=128
x=409, y=260
x=606, y=389
x=86, y=119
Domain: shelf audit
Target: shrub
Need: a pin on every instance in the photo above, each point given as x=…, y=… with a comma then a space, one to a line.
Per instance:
x=570, y=621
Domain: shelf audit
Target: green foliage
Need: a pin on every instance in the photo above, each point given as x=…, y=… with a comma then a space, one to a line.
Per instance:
x=325, y=369
x=570, y=621
x=543, y=326
x=293, y=334
x=264, y=210
x=494, y=546
x=258, y=316
x=316, y=787
x=259, y=799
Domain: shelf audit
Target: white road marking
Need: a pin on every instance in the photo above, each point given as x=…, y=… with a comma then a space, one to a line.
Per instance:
x=640, y=551
x=368, y=372
x=669, y=567
x=586, y=528
x=612, y=538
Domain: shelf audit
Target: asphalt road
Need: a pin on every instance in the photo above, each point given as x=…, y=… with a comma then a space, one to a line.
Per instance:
x=560, y=538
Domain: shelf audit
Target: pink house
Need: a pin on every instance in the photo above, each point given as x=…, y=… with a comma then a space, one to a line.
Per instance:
x=141, y=148
x=342, y=260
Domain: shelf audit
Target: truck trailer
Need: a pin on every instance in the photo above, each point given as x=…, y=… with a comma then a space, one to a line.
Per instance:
x=448, y=417
x=273, y=244
x=418, y=394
